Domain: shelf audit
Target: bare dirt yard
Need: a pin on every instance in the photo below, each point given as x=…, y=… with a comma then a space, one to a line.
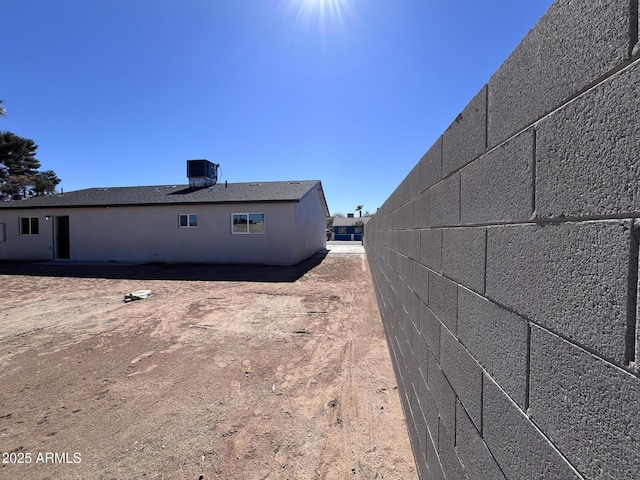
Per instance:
x=224, y=372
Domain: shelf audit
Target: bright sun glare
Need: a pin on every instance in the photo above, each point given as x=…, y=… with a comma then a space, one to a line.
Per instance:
x=320, y=10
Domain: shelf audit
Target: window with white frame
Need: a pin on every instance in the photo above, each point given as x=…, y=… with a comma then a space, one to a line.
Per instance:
x=29, y=226
x=247, y=223
x=187, y=220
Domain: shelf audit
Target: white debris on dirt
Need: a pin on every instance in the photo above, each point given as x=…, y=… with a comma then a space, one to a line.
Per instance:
x=137, y=295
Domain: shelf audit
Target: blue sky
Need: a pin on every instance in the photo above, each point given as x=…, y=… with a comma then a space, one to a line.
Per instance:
x=351, y=92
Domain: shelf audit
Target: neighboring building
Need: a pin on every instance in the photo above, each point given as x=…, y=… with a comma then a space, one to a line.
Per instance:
x=264, y=222
x=350, y=228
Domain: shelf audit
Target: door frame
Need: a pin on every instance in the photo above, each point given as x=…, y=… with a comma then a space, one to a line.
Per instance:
x=63, y=247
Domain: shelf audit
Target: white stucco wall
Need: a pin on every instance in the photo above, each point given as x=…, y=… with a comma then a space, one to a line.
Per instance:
x=151, y=234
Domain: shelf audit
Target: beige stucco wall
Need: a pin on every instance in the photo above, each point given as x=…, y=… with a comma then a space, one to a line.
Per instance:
x=311, y=233
x=14, y=246
x=151, y=234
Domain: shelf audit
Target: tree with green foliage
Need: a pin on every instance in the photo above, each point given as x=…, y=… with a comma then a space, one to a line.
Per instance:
x=45, y=183
x=359, y=209
x=19, y=175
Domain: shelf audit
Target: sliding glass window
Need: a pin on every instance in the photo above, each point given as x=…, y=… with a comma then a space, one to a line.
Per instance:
x=247, y=223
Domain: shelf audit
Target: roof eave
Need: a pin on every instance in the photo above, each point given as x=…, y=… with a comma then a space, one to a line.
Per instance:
x=145, y=204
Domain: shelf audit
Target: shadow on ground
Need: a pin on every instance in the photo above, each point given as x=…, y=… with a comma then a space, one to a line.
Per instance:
x=168, y=271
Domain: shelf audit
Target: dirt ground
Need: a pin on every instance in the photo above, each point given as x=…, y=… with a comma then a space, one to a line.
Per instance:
x=224, y=372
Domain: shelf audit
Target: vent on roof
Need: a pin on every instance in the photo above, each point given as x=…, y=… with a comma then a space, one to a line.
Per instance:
x=349, y=215
x=202, y=173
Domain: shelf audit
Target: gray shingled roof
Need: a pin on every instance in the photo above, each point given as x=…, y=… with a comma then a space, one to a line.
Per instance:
x=289, y=191
x=349, y=222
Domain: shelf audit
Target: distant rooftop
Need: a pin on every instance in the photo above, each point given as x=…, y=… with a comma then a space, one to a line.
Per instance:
x=348, y=221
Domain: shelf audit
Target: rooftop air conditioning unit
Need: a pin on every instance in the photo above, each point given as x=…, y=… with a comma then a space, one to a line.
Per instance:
x=202, y=173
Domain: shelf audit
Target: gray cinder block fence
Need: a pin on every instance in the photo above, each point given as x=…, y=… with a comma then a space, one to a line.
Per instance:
x=506, y=263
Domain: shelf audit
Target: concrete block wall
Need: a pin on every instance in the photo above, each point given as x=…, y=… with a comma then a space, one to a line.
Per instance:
x=506, y=263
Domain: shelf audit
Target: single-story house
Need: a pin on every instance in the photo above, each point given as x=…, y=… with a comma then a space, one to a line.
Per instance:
x=279, y=223
x=349, y=228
